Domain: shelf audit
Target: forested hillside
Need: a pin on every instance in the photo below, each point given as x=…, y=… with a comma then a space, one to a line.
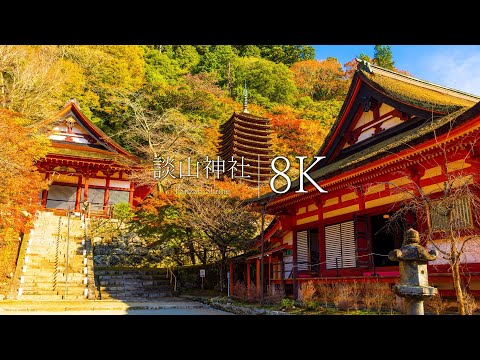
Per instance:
x=202, y=84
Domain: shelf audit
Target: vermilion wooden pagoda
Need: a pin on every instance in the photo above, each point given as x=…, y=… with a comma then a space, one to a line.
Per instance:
x=388, y=135
x=85, y=165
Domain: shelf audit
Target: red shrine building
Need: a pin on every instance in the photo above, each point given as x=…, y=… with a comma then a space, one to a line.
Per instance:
x=85, y=165
x=390, y=137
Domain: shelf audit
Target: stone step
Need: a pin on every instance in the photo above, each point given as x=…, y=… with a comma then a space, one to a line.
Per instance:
x=140, y=282
x=51, y=285
x=51, y=255
x=35, y=265
x=51, y=297
x=40, y=297
x=41, y=244
x=53, y=246
x=140, y=295
x=131, y=272
x=57, y=291
x=74, y=267
x=50, y=267
x=39, y=273
x=71, y=278
x=126, y=297
x=40, y=279
x=134, y=291
x=130, y=277
x=45, y=275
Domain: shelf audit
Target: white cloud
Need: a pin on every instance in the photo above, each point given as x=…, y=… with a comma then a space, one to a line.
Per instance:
x=457, y=67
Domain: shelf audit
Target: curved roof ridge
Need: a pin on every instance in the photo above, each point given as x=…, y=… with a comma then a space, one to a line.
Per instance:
x=375, y=69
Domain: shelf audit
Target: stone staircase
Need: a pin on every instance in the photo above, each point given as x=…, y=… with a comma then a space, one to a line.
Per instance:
x=44, y=272
x=134, y=285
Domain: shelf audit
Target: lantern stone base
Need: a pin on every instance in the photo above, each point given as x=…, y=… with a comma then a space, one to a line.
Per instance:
x=414, y=296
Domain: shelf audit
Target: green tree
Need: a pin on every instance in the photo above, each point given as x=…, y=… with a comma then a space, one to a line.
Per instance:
x=365, y=57
x=248, y=50
x=186, y=56
x=216, y=60
x=287, y=54
x=110, y=72
x=160, y=69
x=383, y=56
x=266, y=81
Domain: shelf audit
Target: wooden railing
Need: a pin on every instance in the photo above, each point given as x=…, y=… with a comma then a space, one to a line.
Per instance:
x=105, y=212
x=173, y=278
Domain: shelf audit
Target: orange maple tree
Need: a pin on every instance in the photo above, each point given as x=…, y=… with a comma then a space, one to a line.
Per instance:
x=321, y=80
x=20, y=184
x=296, y=137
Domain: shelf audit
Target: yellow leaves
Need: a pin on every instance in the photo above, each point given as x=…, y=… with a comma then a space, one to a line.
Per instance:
x=235, y=189
x=321, y=80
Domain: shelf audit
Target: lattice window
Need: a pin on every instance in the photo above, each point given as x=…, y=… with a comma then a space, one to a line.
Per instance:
x=440, y=214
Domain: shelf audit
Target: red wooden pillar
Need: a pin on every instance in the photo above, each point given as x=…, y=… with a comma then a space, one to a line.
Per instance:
x=248, y=277
x=106, y=195
x=275, y=268
x=130, y=198
x=322, y=257
x=45, y=192
x=282, y=273
x=231, y=278
x=257, y=276
x=360, y=192
x=85, y=190
x=78, y=194
x=416, y=172
x=269, y=272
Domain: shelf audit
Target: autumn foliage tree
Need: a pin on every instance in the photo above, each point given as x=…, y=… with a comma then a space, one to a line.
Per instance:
x=321, y=80
x=227, y=223
x=20, y=185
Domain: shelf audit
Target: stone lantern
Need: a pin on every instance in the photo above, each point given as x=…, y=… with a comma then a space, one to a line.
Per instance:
x=413, y=258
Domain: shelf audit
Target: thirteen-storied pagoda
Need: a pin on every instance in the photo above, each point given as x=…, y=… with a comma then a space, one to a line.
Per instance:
x=246, y=138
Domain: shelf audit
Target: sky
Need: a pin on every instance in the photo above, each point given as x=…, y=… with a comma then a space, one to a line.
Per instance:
x=455, y=66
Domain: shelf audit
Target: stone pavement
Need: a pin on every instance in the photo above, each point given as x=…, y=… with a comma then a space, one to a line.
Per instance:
x=171, y=311
x=167, y=305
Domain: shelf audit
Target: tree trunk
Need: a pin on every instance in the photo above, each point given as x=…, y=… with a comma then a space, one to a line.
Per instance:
x=230, y=88
x=223, y=266
x=2, y=85
x=457, y=285
x=205, y=256
x=191, y=249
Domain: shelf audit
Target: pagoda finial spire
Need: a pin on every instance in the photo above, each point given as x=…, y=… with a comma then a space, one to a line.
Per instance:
x=245, y=98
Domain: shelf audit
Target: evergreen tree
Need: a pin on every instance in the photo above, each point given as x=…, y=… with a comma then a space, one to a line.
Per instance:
x=383, y=56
